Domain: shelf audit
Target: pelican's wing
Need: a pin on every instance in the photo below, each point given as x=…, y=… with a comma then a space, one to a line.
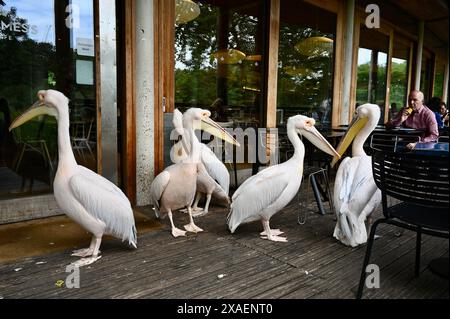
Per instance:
x=157, y=187
x=363, y=199
x=342, y=183
x=105, y=201
x=256, y=194
x=215, y=168
x=354, y=185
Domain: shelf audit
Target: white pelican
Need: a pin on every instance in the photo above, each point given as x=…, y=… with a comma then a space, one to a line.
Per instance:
x=213, y=178
x=355, y=194
x=175, y=187
x=267, y=192
x=89, y=199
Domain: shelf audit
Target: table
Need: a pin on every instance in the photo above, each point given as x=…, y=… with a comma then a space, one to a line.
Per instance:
x=429, y=148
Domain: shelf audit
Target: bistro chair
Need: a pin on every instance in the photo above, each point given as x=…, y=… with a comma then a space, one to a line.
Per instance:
x=81, y=137
x=421, y=183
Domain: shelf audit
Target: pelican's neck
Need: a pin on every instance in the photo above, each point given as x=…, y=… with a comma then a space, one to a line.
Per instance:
x=194, y=152
x=65, y=153
x=360, y=139
x=299, y=148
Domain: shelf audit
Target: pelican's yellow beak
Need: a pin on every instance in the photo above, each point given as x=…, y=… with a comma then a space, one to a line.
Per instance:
x=353, y=129
x=314, y=136
x=215, y=129
x=38, y=108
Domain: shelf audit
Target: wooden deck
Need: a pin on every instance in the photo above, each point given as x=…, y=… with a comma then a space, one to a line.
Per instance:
x=217, y=264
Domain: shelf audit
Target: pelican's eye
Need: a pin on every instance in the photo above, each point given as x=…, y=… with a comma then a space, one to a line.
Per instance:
x=205, y=114
x=309, y=123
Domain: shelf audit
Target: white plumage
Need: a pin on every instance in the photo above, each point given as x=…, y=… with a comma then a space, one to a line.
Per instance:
x=175, y=187
x=355, y=194
x=264, y=194
x=89, y=199
x=213, y=178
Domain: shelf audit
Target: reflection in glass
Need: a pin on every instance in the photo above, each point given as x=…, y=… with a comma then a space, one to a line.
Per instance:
x=218, y=62
x=399, y=81
x=41, y=49
x=399, y=78
x=439, y=80
x=305, y=60
x=372, y=65
x=425, y=76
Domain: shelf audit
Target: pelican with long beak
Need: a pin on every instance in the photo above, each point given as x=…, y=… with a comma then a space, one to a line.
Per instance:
x=175, y=187
x=355, y=194
x=269, y=191
x=213, y=178
x=89, y=199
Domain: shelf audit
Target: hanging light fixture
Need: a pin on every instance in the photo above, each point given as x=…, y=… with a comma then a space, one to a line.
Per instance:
x=228, y=56
x=315, y=46
x=185, y=11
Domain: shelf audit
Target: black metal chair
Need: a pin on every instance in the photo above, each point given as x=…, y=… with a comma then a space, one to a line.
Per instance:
x=421, y=183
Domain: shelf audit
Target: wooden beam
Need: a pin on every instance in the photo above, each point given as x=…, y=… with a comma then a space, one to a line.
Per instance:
x=338, y=67
x=128, y=111
x=98, y=87
x=388, y=76
x=357, y=32
x=272, y=79
x=164, y=81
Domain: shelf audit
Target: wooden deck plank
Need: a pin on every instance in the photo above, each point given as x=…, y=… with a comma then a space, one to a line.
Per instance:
x=167, y=267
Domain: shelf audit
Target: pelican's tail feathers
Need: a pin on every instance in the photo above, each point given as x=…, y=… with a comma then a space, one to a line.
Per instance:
x=132, y=241
x=233, y=221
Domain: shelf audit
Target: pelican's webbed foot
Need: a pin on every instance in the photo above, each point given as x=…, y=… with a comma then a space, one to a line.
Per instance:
x=176, y=232
x=193, y=228
x=85, y=252
x=275, y=238
x=273, y=232
x=198, y=211
x=86, y=261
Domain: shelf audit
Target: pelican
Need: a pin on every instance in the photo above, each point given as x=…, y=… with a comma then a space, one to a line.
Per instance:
x=213, y=178
x=264, y=194
x=355, y=194
x=89, y=199
x=175, y=187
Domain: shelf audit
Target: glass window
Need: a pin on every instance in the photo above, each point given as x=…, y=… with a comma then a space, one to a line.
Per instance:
x=305, y=61
x=399, y=78
x=425, y=75
x=372, y=64
x=219, y=59
x=44, y=45
x=439, y=80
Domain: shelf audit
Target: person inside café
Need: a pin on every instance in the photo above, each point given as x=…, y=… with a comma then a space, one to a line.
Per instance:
x=434, y=105
x=417, y=116
x=444, y=113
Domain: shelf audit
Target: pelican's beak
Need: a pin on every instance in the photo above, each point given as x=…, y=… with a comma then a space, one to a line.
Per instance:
x=353, y=129
x=314, y=136
x=215, y=129
x=38, y=108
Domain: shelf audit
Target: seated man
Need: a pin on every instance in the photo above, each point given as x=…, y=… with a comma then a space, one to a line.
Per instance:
x=421, y=117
